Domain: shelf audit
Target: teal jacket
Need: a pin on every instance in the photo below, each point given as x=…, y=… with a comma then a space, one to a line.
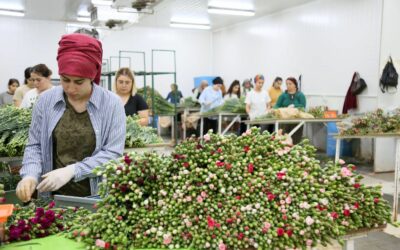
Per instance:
x=298, y=100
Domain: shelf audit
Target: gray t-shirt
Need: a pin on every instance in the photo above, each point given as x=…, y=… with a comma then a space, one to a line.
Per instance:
x=6, y=98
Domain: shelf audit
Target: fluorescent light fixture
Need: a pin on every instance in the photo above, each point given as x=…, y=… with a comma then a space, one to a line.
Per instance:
x=226, y=11
x=202, y=26
x=102, y=2
x=85, y=19
x=106, y=13
x=19, y=13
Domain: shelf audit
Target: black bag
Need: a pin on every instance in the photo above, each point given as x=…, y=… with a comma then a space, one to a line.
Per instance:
x=389, y=76
x=357, y=84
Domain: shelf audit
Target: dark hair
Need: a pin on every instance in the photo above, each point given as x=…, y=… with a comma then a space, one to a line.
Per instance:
x=90, y=32
x=218, y=80
x=42, y=70
x=294, y=81
x=230, y=90
x=27, y=74
x=12, y=80
x=277, y=79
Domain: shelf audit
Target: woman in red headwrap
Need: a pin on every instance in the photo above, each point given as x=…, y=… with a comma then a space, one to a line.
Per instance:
x=75, y=127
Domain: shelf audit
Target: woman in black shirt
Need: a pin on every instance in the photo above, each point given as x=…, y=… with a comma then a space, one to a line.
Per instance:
x=126, y=90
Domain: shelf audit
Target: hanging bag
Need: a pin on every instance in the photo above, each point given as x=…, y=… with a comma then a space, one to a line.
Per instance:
x=358, y=84
x=389, y=78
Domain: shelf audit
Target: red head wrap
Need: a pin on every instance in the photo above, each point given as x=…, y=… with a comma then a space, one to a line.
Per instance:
x=80, y=55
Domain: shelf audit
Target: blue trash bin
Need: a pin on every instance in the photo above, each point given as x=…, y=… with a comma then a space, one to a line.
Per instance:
x=346, y=145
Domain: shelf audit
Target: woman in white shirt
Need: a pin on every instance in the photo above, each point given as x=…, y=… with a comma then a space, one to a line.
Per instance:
x=40, y=74
x=233, y=91
x=257, y=100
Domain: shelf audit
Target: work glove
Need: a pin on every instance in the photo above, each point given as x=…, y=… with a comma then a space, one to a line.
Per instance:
x=25, y=188
x=55, y=179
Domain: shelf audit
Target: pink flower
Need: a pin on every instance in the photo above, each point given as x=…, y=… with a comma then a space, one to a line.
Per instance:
x=250, y=168
x=345, y=172
x=199, y=199
x=100, y=243
x=267, y=225
x=203, y=194
x=322, y=190
x=271, y=196
x=288, y=200
x=185, y=164
x=281, y=152
x=305, y=174
x=341, y=162
x=345, y=223
x=220, y=163
x=376, y=200
x=309, y=242
x=280, y=175
x=167, y=239
x=222, y=246
x=248, y=132
x=206, y=137
x=309, y=221
x=334, y=215
x=301, y=232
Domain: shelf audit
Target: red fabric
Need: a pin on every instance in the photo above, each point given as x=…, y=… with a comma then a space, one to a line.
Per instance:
x=80, y=55
x=350, y=102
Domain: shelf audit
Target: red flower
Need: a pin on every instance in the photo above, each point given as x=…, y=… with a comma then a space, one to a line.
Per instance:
x=240, y=236
x=186, y=164
x=127, y=160
x=246, y=149
x=353, y=168
x=219, y=205
x=284, y=217
x=356, y=205
x=217, y=225
x=357, y=185
x=107, y=245
x=334, y=215
x=228, y=166
x=237, y=213
x=246, y=228
x=271, y=196
x=250, y=168
x=220, y=163
x=210, y=222
x=376, y=199
x=119, y=217
x=280, y=231
x=219, y=150
x=213, y=236
x=289, y=232
x=52, y=204
x=229, y=220
x=346, y=212
x=179, y=157
x=198, y=146
x=238, y=197
x=280, y=175
x=124, y=188
x=320, y=208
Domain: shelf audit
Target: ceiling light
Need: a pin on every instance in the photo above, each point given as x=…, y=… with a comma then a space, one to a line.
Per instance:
x=226, y=11
x=83, y=19
x=102, y=2
x=19, y=13
x=103, y=13
x=201, y=26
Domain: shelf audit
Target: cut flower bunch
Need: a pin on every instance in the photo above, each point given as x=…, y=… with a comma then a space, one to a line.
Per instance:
x=251, y=191
x=139, y=136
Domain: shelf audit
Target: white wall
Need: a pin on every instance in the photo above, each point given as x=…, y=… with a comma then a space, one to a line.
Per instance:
x=324, y=40
x=385, y=148
x=28, y=42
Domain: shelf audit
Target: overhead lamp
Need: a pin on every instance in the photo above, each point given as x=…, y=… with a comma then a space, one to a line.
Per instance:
x=202, y=26
x=102, y=2
x=228, y=11
x=5, y=12
x=85, y=19
x=103, y=13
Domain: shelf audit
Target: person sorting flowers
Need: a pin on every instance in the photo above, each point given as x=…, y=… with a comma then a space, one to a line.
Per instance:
x=75, y=127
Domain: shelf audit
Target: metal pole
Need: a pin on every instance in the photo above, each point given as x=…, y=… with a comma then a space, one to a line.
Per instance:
x=337, y=153
x=396, y=181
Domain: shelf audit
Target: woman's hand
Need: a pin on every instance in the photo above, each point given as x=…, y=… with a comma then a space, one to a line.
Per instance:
x=55, y=179
x=25, y=188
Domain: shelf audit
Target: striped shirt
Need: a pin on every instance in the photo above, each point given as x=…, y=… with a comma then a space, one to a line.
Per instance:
x=107, y=116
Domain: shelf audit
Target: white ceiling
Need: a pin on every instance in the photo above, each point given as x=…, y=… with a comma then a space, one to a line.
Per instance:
x=66, y=10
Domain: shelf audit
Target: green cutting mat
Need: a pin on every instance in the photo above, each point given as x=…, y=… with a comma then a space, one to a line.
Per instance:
x=49, y=243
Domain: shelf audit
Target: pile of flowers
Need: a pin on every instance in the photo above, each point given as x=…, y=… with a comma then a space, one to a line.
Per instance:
x=318, y=111
x=138, y=136
x=37, y=222
x=377, y=122
x=251, y=191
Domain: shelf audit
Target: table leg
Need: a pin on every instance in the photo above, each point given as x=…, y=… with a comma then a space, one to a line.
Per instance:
x=396, y=182
x=201, y=128
x=185, y=115
x=348, y=245
x=337, y=153
x=173, y=130
x=219, y=124
x=296, y=128
x=237, y=118
x=158, y=125
x=276, y=127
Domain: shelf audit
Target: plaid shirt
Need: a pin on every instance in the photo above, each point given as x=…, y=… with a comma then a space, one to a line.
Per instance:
x=108, y=119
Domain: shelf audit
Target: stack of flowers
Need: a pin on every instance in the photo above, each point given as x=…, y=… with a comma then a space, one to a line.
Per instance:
x=138, y=136
x=37, y=222
x=2, y=194
x=252, y=191
x=376, y=122
x=318, y=111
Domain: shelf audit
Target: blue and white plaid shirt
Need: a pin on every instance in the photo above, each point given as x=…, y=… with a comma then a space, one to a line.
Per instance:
x=107, y=116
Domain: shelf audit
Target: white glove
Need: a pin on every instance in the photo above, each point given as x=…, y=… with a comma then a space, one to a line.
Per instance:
x=55, y=179
x=25, y=188
x=291, y=106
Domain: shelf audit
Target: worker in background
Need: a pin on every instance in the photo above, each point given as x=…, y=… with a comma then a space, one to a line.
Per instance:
x=292, y=98
x=175, y=95
x=257, y=100
x=197, y=91
x=21, y=91
x=246, y=87
x=275, y=91
x=233, y=91
x=75, y=127
x=134, y=104
x=7, y=97
x=209, y=99
x=41, y=77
